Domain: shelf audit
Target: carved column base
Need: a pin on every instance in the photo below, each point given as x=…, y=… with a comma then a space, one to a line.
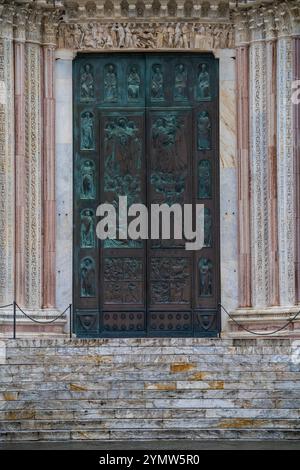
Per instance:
x=28, y=327
x=264, y=320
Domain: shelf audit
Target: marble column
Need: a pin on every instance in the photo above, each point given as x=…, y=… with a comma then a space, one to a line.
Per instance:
x=49, y=261
x=285, y=172
x=271, y=72
x=33, y=164
x=64, y=170
x=259, y=164
x=19, y=53
x=7, y=167
x=242, y=94
x=296, y=135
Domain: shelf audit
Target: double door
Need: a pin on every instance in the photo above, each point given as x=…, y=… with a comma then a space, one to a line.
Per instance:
x=145, y=127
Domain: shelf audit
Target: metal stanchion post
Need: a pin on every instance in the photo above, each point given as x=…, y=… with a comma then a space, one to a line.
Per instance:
x=15, y=320
x=70, y=320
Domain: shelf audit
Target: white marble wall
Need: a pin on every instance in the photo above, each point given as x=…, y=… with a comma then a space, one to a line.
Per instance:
x=228, y=179
x=64, y=177
x=228, y=183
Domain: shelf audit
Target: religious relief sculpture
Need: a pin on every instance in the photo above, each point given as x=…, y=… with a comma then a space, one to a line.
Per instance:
x=87, y=180
x=86, y=83
x=169, y=165
x=87, y=278
x=203, y=85
x=133, y=83
x=204, y=131
x=207, y=228
x=204, y=180
x=184, y=35
x=122, y=277
x=157, y=83
x=110, y=84
x=169, y=280
x=87, y=131
x=205, y=277
x=180, y=86
x=87, y=229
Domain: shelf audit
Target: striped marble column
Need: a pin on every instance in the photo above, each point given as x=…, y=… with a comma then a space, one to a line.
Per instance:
x=7, y=167
x=19, y=60
x=259, y=164
x=242, y=97
x=49, y=261
x=271, y=72
x=285, y=171
x=296, y=134
x=33, y=164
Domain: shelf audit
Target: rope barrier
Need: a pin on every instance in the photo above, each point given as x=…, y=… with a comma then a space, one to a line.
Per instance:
x=255, y=332
x=8, y=305
x=44, y=322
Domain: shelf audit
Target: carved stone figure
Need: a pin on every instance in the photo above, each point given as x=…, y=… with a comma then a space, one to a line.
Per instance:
x=134, y=83
x=180, y=87
x=87, y=278
x=205, y=277
x=204, y=179
x=157, y=92
x=204, y=131
x=207, y=227
x=87, y=229
x=203, y=83
x=87, y=83
x=110, y=83
x=145, y=35
x=87, y=131
x=87, y=186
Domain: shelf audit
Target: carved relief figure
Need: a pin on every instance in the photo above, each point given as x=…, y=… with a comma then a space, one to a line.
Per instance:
x=207, y=228
x=87, y=176
x=204, y=179
x=180, y=87
x=205, y=277
x=157, y=92
x=145, y=35
x=134, y=83
x=87, y=131
x=87, y=83
x=87, y=229
x=87, y=278
x=204, y=131
x=110, y=83
x=203, y=90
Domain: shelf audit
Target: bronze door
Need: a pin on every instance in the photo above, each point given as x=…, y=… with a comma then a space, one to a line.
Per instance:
x=145, y=127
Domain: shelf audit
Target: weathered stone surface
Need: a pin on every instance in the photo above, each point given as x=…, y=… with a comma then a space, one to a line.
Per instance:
x=149, y=389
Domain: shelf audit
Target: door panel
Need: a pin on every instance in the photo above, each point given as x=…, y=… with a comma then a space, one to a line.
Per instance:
x=145, y=127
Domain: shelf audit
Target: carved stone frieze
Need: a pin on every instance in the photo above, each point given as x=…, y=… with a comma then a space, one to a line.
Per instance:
x=180, y=35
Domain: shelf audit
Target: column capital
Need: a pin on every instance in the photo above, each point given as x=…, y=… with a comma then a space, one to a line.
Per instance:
x=20, y=21
x=256, y=24
x=6, y=21
x=33, y=26
x=50, y=27
x=241, y=27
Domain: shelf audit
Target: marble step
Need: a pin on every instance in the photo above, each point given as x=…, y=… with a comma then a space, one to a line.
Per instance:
x=129, y=434
x=141, y=413
x=150, y=424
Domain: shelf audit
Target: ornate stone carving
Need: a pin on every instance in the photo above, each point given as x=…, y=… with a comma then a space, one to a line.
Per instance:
x=180, y=35
x=33, y=183
x=6, y=158
x=259, y=173
x=285, y=173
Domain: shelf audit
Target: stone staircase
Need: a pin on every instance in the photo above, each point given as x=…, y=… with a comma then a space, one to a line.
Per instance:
x=122, y=389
